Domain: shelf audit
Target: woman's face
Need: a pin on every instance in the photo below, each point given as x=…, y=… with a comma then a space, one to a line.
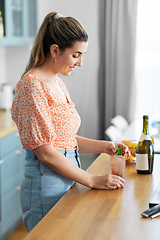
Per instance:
x=70, y=58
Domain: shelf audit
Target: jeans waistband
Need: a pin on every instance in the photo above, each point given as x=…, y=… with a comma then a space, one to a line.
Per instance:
x=30, y=153
x=31, y=156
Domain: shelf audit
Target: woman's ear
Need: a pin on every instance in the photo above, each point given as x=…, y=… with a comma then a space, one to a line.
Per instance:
x=54, y=50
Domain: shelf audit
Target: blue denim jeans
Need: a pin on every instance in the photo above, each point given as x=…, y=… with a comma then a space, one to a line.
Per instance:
x=42, y=187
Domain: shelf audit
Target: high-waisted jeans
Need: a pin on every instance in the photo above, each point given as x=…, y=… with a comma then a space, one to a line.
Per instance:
x=42, y=187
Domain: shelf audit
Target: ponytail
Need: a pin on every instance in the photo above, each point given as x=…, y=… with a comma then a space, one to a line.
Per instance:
x=55, y=29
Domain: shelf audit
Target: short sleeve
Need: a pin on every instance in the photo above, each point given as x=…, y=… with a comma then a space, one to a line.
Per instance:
x=31, y=113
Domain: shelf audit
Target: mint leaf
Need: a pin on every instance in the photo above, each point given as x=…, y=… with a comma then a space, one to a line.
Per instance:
x=121, y=175
x=119, y=151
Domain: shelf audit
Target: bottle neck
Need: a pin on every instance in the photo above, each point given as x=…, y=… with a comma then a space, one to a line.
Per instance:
x=145, y=126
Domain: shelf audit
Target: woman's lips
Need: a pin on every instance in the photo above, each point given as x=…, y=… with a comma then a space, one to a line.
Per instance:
x=71, y=69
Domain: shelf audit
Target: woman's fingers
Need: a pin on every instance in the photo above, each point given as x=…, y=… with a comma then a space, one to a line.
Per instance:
x=108, y=181
x=116, y=182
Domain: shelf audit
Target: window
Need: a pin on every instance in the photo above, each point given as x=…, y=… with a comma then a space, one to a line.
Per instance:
x=147, y=68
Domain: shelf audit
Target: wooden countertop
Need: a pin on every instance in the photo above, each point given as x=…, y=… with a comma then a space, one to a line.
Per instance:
x=7, y=126
x=90, y=214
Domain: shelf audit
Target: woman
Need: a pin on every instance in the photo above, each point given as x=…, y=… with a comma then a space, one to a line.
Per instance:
x=48, y=121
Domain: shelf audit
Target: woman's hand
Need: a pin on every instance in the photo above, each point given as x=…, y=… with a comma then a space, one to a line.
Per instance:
x=110, y=147
x=107, y=181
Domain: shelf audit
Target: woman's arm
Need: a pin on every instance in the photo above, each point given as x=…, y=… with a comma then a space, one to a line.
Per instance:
x=60, y=164
x=87, y=145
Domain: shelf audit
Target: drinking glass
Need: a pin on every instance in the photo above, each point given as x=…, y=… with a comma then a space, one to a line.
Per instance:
x=117, y=165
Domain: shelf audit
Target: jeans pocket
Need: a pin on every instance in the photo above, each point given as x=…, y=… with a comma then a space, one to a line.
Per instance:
x=25, y=193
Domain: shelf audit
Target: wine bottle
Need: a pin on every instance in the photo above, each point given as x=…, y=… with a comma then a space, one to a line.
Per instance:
x=145, y=150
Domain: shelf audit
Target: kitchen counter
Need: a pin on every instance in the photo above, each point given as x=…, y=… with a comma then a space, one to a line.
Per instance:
x=90, y=214
x=7, y=126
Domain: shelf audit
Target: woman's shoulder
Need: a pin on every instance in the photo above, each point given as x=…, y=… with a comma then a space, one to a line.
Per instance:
x=29, y=78
x=29, y=81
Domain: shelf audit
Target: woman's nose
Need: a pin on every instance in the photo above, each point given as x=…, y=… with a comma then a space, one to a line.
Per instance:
x=79, y=62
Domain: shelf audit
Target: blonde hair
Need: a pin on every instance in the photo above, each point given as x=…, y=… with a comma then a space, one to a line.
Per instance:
x=63, y=31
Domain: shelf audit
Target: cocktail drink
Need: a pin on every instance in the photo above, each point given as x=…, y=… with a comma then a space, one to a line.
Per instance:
x=117, y=165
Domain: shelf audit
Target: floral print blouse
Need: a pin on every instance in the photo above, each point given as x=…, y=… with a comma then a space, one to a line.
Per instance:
x=42, y=117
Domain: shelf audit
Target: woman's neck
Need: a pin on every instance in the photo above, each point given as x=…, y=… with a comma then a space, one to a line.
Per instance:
x=45, y=72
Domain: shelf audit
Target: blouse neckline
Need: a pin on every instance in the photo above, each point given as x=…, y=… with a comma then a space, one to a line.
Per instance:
x=68, y=101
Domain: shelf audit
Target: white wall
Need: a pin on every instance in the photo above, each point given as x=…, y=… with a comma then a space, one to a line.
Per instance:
x=83, y=82
x=16, y=60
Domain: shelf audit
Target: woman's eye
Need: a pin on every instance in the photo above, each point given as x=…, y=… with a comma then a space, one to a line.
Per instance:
x=75, y=56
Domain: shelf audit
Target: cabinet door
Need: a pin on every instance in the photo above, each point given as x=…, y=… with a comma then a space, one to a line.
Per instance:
x=17, y=20
x=9, y=143
x=13, y=23
x=32, y=17
x=20, y=22
x=11, y=210
x=0, y=229
x=12, y=169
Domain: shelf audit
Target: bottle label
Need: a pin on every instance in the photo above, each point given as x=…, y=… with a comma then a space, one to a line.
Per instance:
x=144, y=137
x=142, y=161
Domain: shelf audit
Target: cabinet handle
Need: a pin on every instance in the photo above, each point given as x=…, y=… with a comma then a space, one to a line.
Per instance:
x=17, y=134
x=18, y=152
x=18, y=188
x=1, y=162
x=26, y=40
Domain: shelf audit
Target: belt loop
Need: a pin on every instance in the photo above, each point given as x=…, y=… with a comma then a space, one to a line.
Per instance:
x=65, y=152
x=34, y=156
x=77, y=157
